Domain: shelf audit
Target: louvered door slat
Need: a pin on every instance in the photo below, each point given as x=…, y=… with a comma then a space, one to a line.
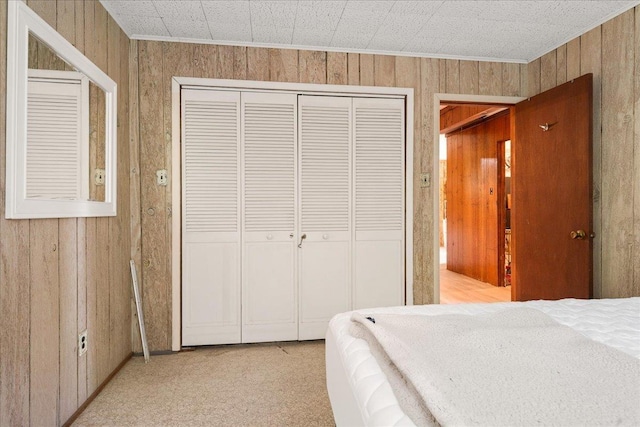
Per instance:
x=379, y=159
x=269, y=164
x=325, y=135
x=211, y=155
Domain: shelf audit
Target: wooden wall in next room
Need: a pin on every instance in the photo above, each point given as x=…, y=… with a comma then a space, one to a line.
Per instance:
x=473, y=199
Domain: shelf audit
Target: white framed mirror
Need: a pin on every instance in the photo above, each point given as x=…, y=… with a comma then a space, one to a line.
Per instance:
x=61, y=125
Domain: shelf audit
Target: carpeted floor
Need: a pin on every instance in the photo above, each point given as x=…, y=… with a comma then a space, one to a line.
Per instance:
x=274, y=384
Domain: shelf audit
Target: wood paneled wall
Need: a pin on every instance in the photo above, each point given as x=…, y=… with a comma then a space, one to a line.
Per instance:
x=612, y=53
x=153, y=65
x=473, y=196
x=61, y=276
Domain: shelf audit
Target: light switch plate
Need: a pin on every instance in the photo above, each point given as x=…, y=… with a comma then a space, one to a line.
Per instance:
x=425, y=180
x=162, y=177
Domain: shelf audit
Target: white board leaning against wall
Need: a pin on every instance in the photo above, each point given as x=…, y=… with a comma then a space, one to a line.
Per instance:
x=293, y=209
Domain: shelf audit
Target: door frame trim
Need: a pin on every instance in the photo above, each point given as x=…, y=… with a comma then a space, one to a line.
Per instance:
x=177, y=83
x=437, y=99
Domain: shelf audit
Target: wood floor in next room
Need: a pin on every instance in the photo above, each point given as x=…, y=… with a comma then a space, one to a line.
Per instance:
x=456, y=288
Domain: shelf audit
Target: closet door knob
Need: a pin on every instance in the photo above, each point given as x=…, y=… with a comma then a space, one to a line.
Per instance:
x=304, y=236
x=269, y=236
x=325, y=236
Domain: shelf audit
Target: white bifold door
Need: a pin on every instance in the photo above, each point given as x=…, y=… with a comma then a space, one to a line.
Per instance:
x=293, y=211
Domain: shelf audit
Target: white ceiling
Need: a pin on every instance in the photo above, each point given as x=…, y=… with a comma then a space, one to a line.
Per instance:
x=514, y=31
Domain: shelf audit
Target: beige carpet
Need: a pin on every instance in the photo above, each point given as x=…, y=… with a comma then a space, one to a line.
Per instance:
x=275, y=384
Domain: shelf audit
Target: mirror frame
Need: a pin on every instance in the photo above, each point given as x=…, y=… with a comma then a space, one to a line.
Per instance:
x=22, y=21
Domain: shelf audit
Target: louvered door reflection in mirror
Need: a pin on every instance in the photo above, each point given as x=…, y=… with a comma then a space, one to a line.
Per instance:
x=61, y=125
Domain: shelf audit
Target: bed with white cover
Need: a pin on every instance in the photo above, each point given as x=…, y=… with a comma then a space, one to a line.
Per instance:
x=373, y=385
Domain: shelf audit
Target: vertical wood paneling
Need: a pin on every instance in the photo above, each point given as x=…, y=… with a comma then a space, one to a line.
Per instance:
x=81, y=250
x=636, y=161
x=591, y=62
x=366, y=70
x=336, y=68
x=177, y=61
x=573, y=59
x=134, y=185
x=45, y=324
x=548, y=71
x=312, y=66
x=78, y=25
x=561, y=64
x=68, y=309
x=533, y=77
x=617, y=155
x=452, y=82
x=205, y=58
x=510, y=79
x=225, y=62
x=82, y=305
x=524, y=79
x=490, y=78
x=353, y=68
x=124, y=202
x=408, y=74
x=283, y=64
x=68, y=269
x=116, y=317
x=240, y=62
x=91, y=245
x=102, y=335
x=470, y=77
x=257, y=64
x=155, y=288
x=384, y=70
x=430, y=80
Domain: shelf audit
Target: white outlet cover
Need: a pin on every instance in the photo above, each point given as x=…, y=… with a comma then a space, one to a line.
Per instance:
x=83, y=344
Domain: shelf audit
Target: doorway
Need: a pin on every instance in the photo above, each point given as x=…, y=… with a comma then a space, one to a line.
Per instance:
x=462, y=273
x=473, y=203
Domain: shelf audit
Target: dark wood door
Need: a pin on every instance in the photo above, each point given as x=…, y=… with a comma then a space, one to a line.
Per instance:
x=551, y=164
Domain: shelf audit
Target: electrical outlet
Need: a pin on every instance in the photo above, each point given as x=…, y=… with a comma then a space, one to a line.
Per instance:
x=82, y=343
x=99, y=176
x=162, y=177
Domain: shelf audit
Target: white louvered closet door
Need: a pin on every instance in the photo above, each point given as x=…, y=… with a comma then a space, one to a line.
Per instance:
x=269, y=288
x=210, y=217
x=379, y=141
x=325, y=211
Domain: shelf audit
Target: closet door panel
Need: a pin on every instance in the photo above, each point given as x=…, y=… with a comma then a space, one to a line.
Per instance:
x=325, y=211
x=212, y=274
x=211, y=217
x=379, y=135
x=269, y=292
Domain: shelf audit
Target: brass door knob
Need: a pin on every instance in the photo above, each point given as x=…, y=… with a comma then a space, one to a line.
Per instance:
x=578, y=235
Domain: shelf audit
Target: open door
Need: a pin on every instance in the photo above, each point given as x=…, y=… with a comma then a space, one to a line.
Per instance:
x=552, y=213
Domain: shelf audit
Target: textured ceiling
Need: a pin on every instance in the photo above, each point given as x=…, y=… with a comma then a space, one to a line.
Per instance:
x=517, y=31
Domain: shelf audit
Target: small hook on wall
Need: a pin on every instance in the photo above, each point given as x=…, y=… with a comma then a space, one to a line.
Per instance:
x=545, y=127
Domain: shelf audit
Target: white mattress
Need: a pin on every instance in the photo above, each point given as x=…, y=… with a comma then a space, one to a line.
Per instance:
x=361, y=395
